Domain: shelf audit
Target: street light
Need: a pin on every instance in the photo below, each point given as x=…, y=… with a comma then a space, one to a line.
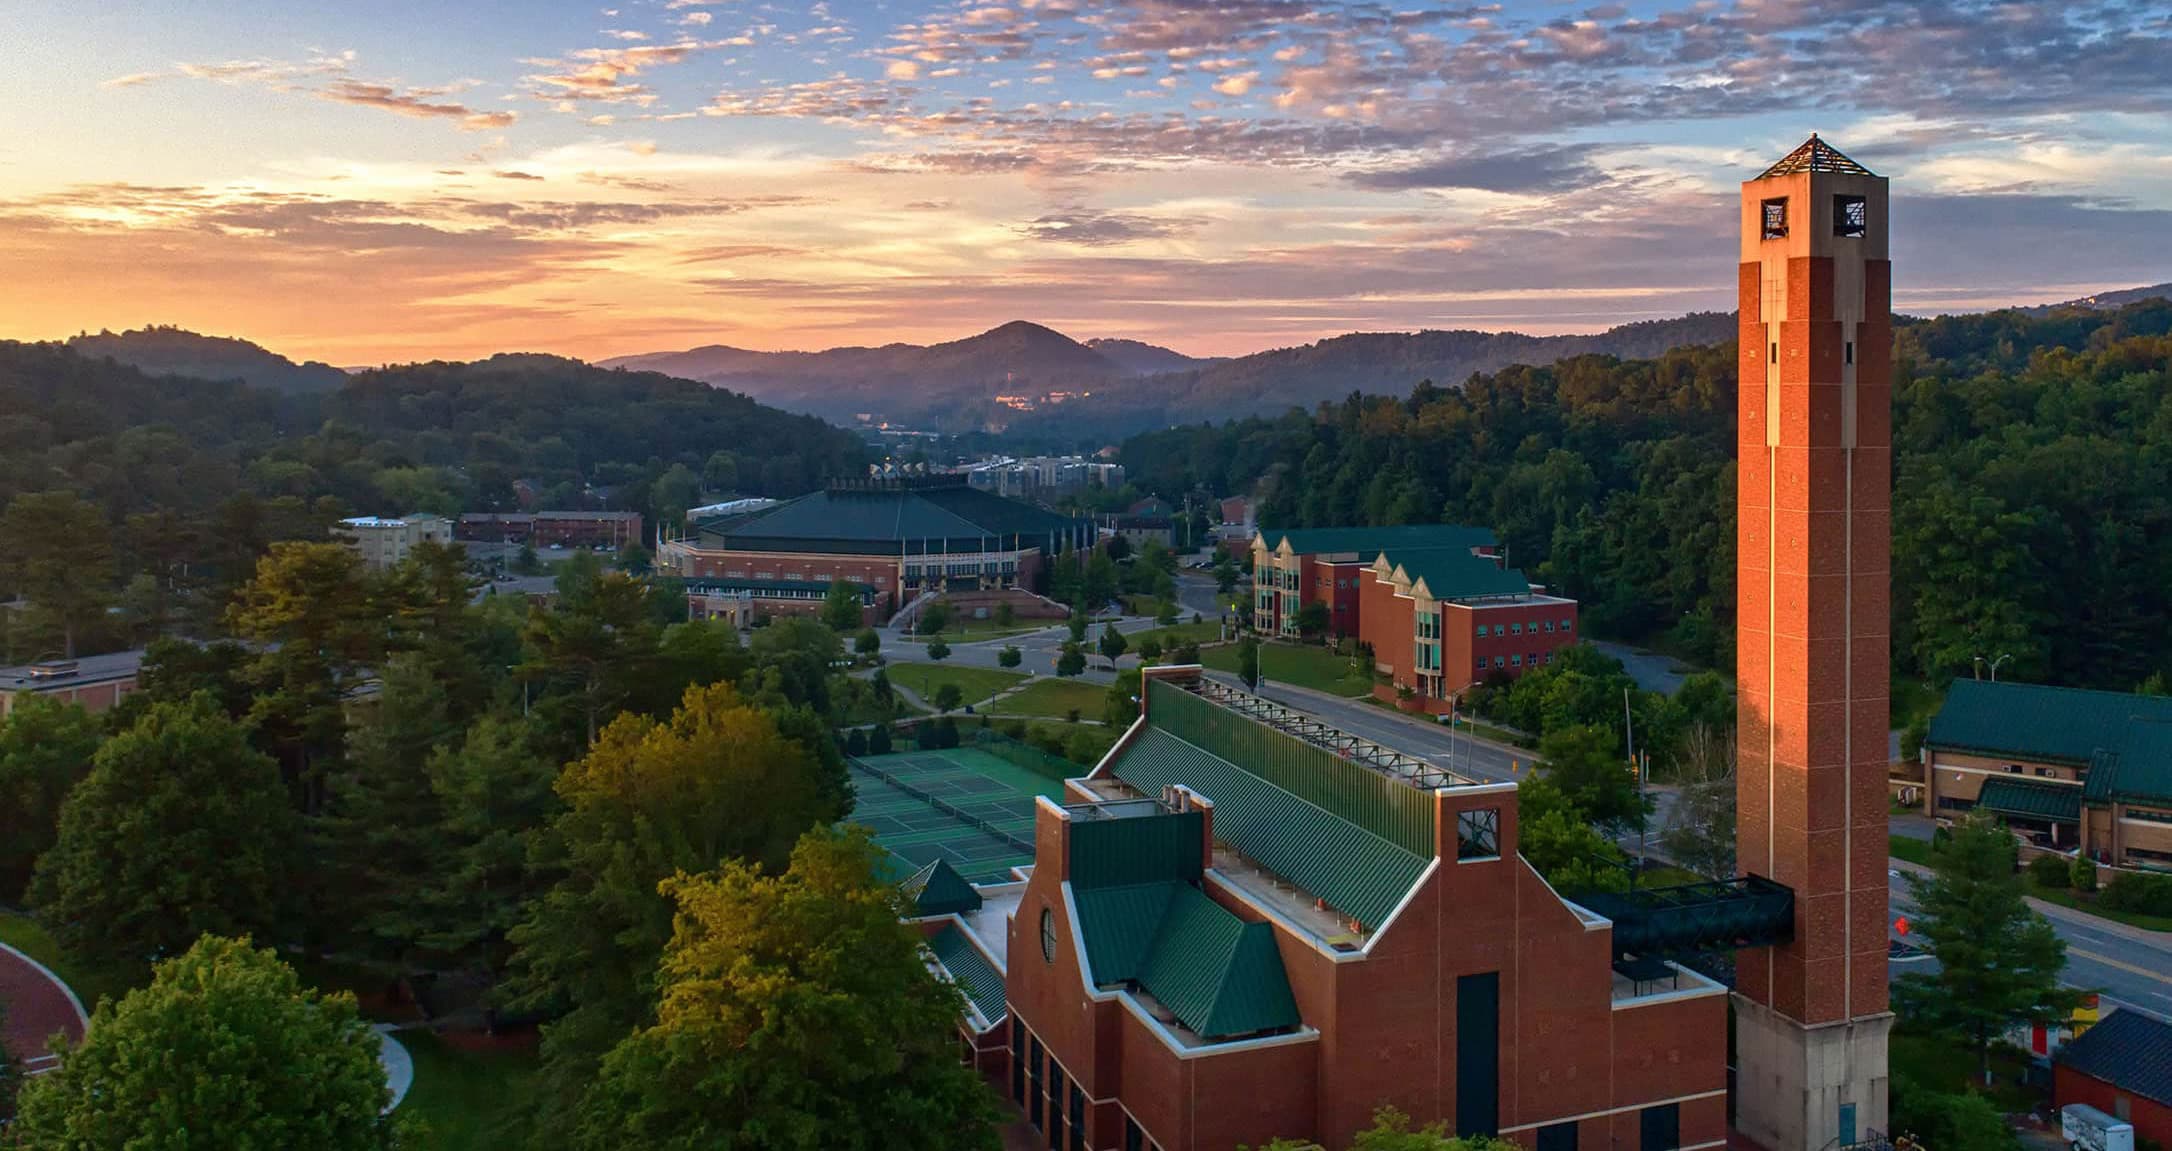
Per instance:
x=2003, y=657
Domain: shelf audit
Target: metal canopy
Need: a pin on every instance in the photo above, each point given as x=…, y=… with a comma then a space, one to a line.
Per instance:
x=1719, y=915
x=1815, y=155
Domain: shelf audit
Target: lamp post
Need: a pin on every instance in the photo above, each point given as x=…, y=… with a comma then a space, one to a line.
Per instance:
x=2003, y=657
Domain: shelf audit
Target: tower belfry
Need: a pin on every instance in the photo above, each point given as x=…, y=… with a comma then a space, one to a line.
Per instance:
x=1813, y=541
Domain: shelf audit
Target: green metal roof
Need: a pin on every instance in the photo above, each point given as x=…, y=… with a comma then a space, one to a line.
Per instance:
x=938, y=889
x=2031, y=799
x=1119, y=852
x=2138, y=770
x=2035, y=721
x=887, y=517
x=1356, y=871
x=1456, y=574
x=1220, y=975
x=1370, y=542
x=971, y=971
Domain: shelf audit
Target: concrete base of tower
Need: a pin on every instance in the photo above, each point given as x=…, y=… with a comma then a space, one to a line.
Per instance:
x=1800, y=1088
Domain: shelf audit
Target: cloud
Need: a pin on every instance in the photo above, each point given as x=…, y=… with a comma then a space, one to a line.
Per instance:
x=901, y=70
x=328, y=76
x=606, y=74
x=1528, y=171
x=133, y=79
x=696, y=19
x=1094, y=229
x=412, y=103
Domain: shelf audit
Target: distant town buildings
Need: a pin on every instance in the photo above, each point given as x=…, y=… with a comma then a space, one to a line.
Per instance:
x=901, y=536
x=385, y=543
x=2073, y=770
x=1435, y=602
x=1043, y=477
x=1148, y=519
x=95, y=682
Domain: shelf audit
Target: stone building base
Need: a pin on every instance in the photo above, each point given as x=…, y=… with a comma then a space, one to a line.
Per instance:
x=1792, y=1081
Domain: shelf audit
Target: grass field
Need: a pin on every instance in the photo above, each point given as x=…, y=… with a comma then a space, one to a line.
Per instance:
x=90, y=982
x=977, y=683
x=468, y=1098
x=1174, y=634
x=1313, y=667
x=975, y=630
x=1916, y=851
x=1053, y=699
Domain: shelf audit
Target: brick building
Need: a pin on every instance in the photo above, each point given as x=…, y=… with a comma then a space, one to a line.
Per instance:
x=2073, y=770
x=2122, y=1067
x=612, y=530
x=385, y=543
x=740, y=601
x=1435, y=602
x=901, y=536
x=1242, y=926
x=93, y=682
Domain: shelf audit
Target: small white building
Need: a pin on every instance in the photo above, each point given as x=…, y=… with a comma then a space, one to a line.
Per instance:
x=385, y=543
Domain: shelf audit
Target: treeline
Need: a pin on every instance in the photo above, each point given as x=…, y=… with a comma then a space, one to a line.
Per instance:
x=559, y=813
x=2032, y=513
x=186, y=481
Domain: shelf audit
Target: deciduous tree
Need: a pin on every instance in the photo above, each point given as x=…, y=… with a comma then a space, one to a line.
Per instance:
x=45, y=747
x=841, y=607
x=1591, y=771
x=59, y=555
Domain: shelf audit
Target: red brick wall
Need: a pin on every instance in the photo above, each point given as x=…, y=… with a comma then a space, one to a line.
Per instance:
x=2152, y=1120
x=1463, y=621
x=1385, y=623
x=1344, y=608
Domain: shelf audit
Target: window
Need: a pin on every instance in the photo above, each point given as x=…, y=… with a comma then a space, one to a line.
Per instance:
x=1481, y=663
x=2044, y=772
x=1499, y=662
x=1515, y=629
x=1018, y=1062
x=1851, y=216
x=1478, y=833
x=1851, y=351
x=1515, y=661
x=1557, y=1137
x=1564, y=625
x=1774, y=214
x=1078, y=1119
x=1481, y=631
x=1048, y=935
x=2013, y=769
x=1549, y=627
x=1134, y=1139
x=1660, y=1128
x=1775, y=353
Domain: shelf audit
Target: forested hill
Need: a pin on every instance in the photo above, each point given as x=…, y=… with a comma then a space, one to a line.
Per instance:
x=192, y=478
x=2032, y=504
x=178, y=352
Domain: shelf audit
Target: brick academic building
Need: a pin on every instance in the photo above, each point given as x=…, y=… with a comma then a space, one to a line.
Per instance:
x=1437, y=604
x=900, y=536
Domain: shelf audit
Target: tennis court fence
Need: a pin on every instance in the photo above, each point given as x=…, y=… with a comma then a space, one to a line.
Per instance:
x=945, y=806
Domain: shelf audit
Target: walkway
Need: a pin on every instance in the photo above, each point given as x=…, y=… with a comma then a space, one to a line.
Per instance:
x=399, y=1065
x=39, y=1006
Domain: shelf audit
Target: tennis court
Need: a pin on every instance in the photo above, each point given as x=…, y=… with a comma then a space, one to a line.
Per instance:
x=960, y=805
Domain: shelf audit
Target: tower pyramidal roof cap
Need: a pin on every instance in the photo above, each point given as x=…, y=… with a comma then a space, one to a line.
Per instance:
x=1816, y=155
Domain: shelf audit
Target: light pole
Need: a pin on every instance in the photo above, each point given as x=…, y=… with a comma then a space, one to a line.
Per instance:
x=2003, y=657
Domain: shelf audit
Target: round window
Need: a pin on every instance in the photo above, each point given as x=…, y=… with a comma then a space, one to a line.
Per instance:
x=1048, y=935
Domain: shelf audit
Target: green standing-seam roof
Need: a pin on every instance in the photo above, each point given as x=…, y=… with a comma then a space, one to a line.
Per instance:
x=1455, y=574
x=1118, y=925
x=1356, y=871
x=890, y=519
x=971, y=971
x=938, y=889
x=1370, y=542
x=2138, y=770
x=2034, y=721
x=1220, y=975
x=2031, y=799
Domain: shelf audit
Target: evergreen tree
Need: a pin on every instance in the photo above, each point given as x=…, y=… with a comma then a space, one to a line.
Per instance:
x=1248, y=661
x=494, y=793
x=181, y=828
x=796, y=1011
x=225, y=1049
x=1113, y=644
x=1998, y=961
x=312, y=616
x=60, y=557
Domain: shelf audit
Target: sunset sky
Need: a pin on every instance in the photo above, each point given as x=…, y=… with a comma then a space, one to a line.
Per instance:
x=366, y=182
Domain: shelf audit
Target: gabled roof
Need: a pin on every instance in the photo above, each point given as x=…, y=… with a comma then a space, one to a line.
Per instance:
x=2129, y=1050
x=971, y=971
x=1455, y=574
x=2035, y=721
x=1219, y=975
x=2031, y=798
x=890, y=514
x=2139, y=769
x=1370, y=542
x=1815, y=155
x=938, y=889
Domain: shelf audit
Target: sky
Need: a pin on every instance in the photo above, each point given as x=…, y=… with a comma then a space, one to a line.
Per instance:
x=390, y=181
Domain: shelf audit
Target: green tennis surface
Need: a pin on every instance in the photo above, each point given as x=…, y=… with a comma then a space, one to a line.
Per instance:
x=964, y=806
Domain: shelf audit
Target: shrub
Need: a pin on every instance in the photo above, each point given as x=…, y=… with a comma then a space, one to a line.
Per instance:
x=2145, y=894
x=2083, y=873
x=2049, y=871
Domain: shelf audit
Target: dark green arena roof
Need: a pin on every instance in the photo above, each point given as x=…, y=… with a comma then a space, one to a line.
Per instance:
x=2037, y=722
x=1370, y=542
x=896, y=519
x=2031, y=799
x=2139, y=770
x=971, y=971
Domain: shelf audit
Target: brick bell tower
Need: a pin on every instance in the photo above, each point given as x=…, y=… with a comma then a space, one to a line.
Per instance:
x=1813, y=537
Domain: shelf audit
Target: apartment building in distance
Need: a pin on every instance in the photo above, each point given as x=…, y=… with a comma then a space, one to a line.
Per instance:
x=93, y=682
x=2073, y=770
x=576, y=529
x=385, y=542
x=1437, y=604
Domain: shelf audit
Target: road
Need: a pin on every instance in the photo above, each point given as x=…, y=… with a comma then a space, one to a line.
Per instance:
x=1458, y=751
x=2130, y=967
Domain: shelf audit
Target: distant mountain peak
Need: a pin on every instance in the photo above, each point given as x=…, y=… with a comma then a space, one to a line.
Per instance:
x=171, y=351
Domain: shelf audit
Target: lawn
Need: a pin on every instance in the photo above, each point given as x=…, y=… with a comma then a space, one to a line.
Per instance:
x=975, y=630
x=1207, y=631
x=1313, y=667
x=1916, y=851
x=468, y=1098
x=90, y=982
x=977, y=683
x=1053, y=699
